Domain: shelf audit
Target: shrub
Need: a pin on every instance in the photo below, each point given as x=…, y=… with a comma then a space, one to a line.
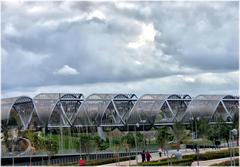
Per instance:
x=171, y=161
x=188, y=159
x=107, y=161
x=226, y=163
x=216, y=155
x=103, y=161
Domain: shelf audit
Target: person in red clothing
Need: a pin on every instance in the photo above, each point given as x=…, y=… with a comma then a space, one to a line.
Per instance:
x=148, y=156
x=81, y=162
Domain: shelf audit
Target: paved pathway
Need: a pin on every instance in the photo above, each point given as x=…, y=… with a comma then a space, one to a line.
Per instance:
x=212, y=162
x=155, y=157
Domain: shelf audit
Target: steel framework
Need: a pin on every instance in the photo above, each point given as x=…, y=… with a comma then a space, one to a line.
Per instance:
x=55, y=110
x=212, y=107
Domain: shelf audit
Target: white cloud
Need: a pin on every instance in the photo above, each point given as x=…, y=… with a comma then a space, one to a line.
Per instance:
x=125, y=5
x=187, y=78
x=10, y=30
x=218, y=79
x=66, y=70
x=147, y=35
x=176, y=84
x=53, y=24
x=38, y=9
x=96, y=14
x=138, y=62
x=138, y=41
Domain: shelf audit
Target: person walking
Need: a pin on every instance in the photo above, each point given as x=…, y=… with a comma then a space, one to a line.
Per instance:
x=218, y=143
x=178, y=155
x=143, y=156
x=215, y=143
x=160, y=152
x=196, y=147
x=148, y=156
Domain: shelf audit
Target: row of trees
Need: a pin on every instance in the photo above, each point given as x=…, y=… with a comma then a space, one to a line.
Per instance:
x=117, y=140
x=89, y=142
x=179, y=132
x=219, y=131
x=84, y=142
x=41, y=143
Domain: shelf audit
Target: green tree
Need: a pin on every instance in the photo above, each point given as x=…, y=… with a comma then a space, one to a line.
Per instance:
x=116, y=146
x=213, y=132
x=219, y=131
x=86, y=143
x=179, y=132
x=140, y=139
x=129, y=139
x=34, y=139
x=203, y=130
x=224, y=131
x=101, y=144
x=236, y=120
x=114, y=138
x=163, y=137
x=51, y=147
x=6, y=140
x=42, y=143
x=236, y=124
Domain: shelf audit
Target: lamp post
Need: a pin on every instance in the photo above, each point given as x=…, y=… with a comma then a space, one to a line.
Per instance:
x=197, y=119
x=197, y=150
x=80, y=146
x=14, y=134
x=13, y=152
x=129, y=162
x=137, y=125
x=31, y=157
x=232, y=133
x=192, y=119
x=230, y=147
x=143, y=123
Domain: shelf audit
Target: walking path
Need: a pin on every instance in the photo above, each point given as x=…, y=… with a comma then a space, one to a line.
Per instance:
x=213, y=161
x=155, y=157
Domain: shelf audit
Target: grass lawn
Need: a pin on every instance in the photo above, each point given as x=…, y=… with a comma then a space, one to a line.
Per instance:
x=68, y=141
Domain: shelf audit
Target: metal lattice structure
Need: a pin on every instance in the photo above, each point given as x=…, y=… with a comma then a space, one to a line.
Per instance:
x=157, y=109
x=56, y=110
x=17, y=111
x=104, y=110
x=212, y=107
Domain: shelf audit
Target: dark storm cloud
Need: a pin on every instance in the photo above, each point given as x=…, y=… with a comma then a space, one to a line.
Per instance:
x=65, y=43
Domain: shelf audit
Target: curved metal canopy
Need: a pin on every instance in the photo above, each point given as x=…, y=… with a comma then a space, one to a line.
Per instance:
x=17, y=110
x=54, y=109
x=101, y=109
x=206, y=106
x=146, y=109
x=67, y=109
x=155, y=109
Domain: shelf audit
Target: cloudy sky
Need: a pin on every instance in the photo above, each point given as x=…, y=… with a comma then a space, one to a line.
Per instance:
x=119, y=47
